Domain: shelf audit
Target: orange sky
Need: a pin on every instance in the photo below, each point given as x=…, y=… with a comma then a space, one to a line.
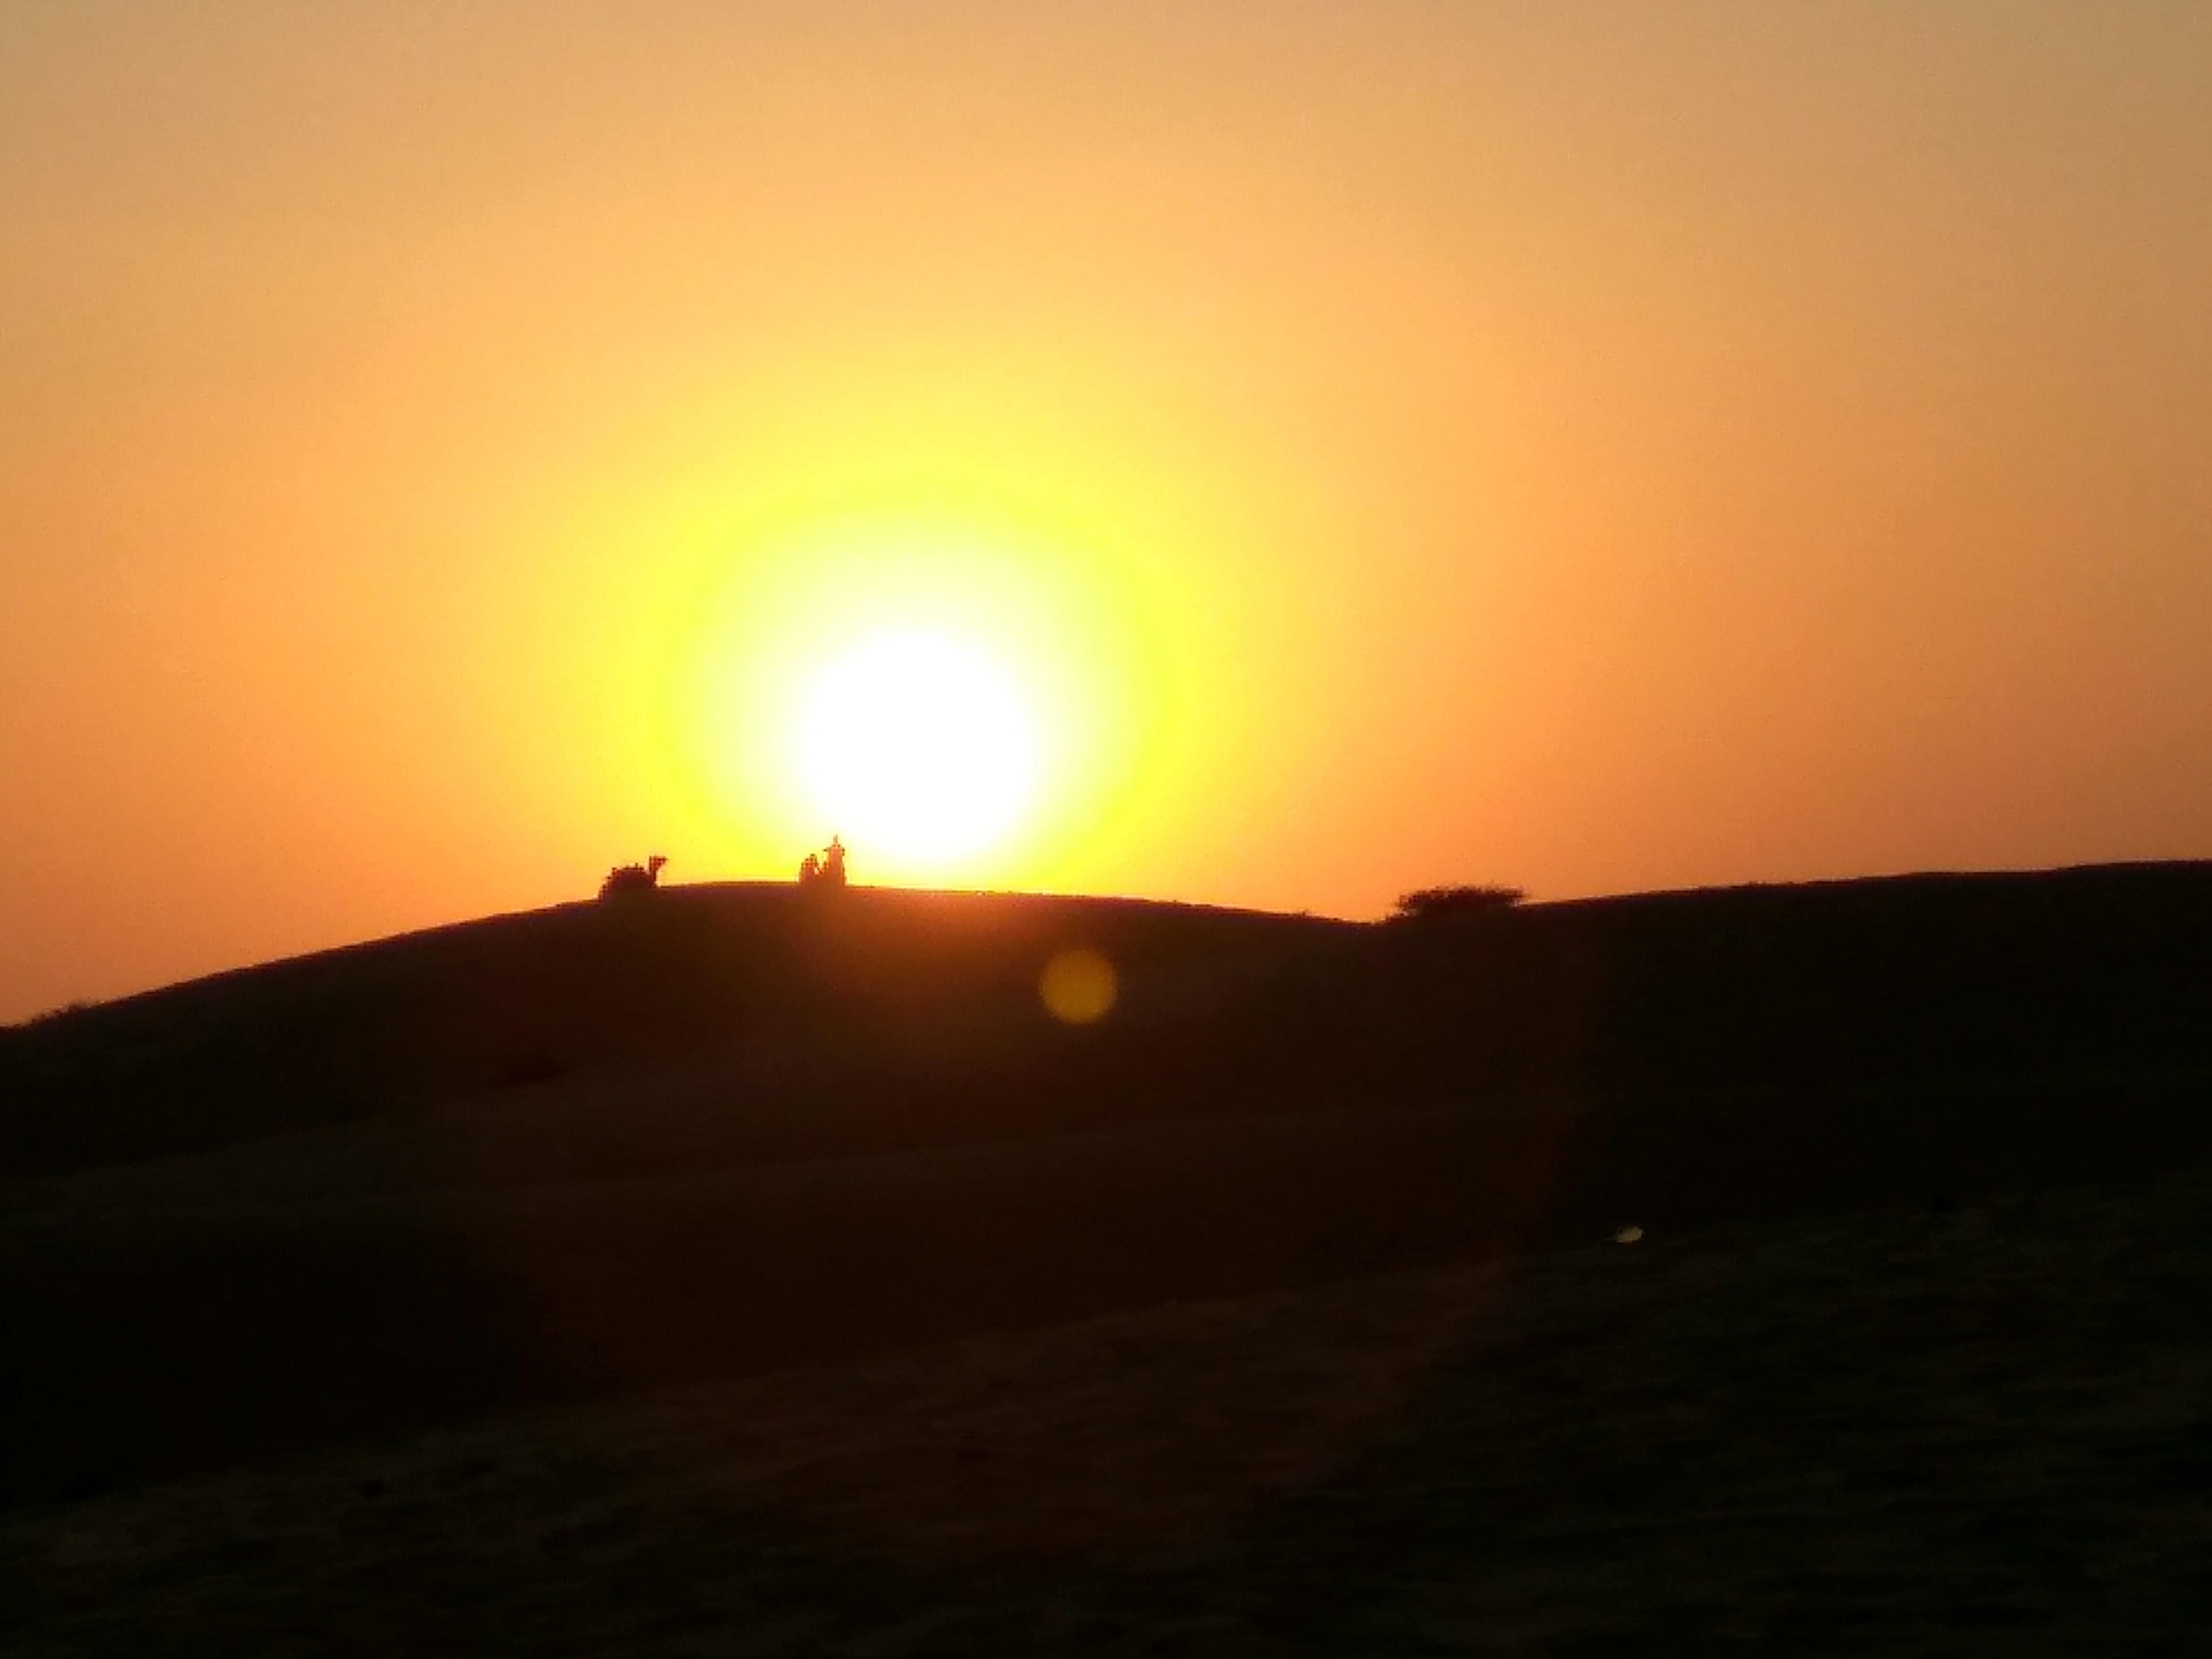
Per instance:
x=1593, y=447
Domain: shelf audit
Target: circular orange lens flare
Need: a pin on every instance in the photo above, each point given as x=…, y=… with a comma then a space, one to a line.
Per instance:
x=1079, y=986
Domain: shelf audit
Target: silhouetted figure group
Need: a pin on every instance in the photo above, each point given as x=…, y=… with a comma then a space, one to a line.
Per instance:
x=633, y=878
x=824, y=869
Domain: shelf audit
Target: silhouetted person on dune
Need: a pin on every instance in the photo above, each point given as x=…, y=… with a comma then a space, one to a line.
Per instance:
x=825, y=869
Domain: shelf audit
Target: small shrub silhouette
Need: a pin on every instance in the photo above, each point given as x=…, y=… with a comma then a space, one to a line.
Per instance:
x=633, y=878
x=1429, y=903
x=47, y=1016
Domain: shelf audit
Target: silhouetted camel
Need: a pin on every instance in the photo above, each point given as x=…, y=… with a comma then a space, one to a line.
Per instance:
x=633, y=878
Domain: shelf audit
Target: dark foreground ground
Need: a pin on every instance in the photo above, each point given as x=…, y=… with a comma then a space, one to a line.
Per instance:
x=720, y=1272
x=1988, y=1432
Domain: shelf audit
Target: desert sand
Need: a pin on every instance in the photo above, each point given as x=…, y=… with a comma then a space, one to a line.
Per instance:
x=848, y=1305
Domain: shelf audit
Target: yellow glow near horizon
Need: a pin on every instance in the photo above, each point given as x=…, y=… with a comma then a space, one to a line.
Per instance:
x=916, y=744
x=969, y=692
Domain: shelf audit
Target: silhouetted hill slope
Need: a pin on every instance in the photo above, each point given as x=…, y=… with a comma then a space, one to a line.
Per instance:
x=604, y=1147
x=1828, y=998
x=676, y=977
x=1919, y=981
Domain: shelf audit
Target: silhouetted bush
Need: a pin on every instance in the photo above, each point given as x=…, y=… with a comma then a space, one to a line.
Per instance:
x=1426, y=903
x=47, y=1016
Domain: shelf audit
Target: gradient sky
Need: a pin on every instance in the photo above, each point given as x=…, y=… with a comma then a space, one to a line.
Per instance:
x=1594, y=447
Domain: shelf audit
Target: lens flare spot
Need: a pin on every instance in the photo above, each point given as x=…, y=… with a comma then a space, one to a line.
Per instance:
x=1079, y=986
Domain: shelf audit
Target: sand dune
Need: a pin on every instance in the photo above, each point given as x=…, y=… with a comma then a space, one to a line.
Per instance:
x=662, y=1217
x=1978, y=1432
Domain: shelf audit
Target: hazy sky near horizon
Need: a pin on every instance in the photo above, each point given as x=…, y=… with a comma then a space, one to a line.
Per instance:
x=1592, y=446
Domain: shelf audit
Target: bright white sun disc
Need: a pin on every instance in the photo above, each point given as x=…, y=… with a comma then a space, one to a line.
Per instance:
x=916, y=746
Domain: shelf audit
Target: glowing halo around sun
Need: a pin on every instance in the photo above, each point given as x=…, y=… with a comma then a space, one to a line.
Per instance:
x=917, y=748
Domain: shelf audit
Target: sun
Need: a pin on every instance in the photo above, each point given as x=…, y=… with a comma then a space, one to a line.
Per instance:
x=918, y=749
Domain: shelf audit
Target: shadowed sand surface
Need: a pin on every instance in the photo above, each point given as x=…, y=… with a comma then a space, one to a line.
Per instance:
x=1989, y=1431
x=716, y=1273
